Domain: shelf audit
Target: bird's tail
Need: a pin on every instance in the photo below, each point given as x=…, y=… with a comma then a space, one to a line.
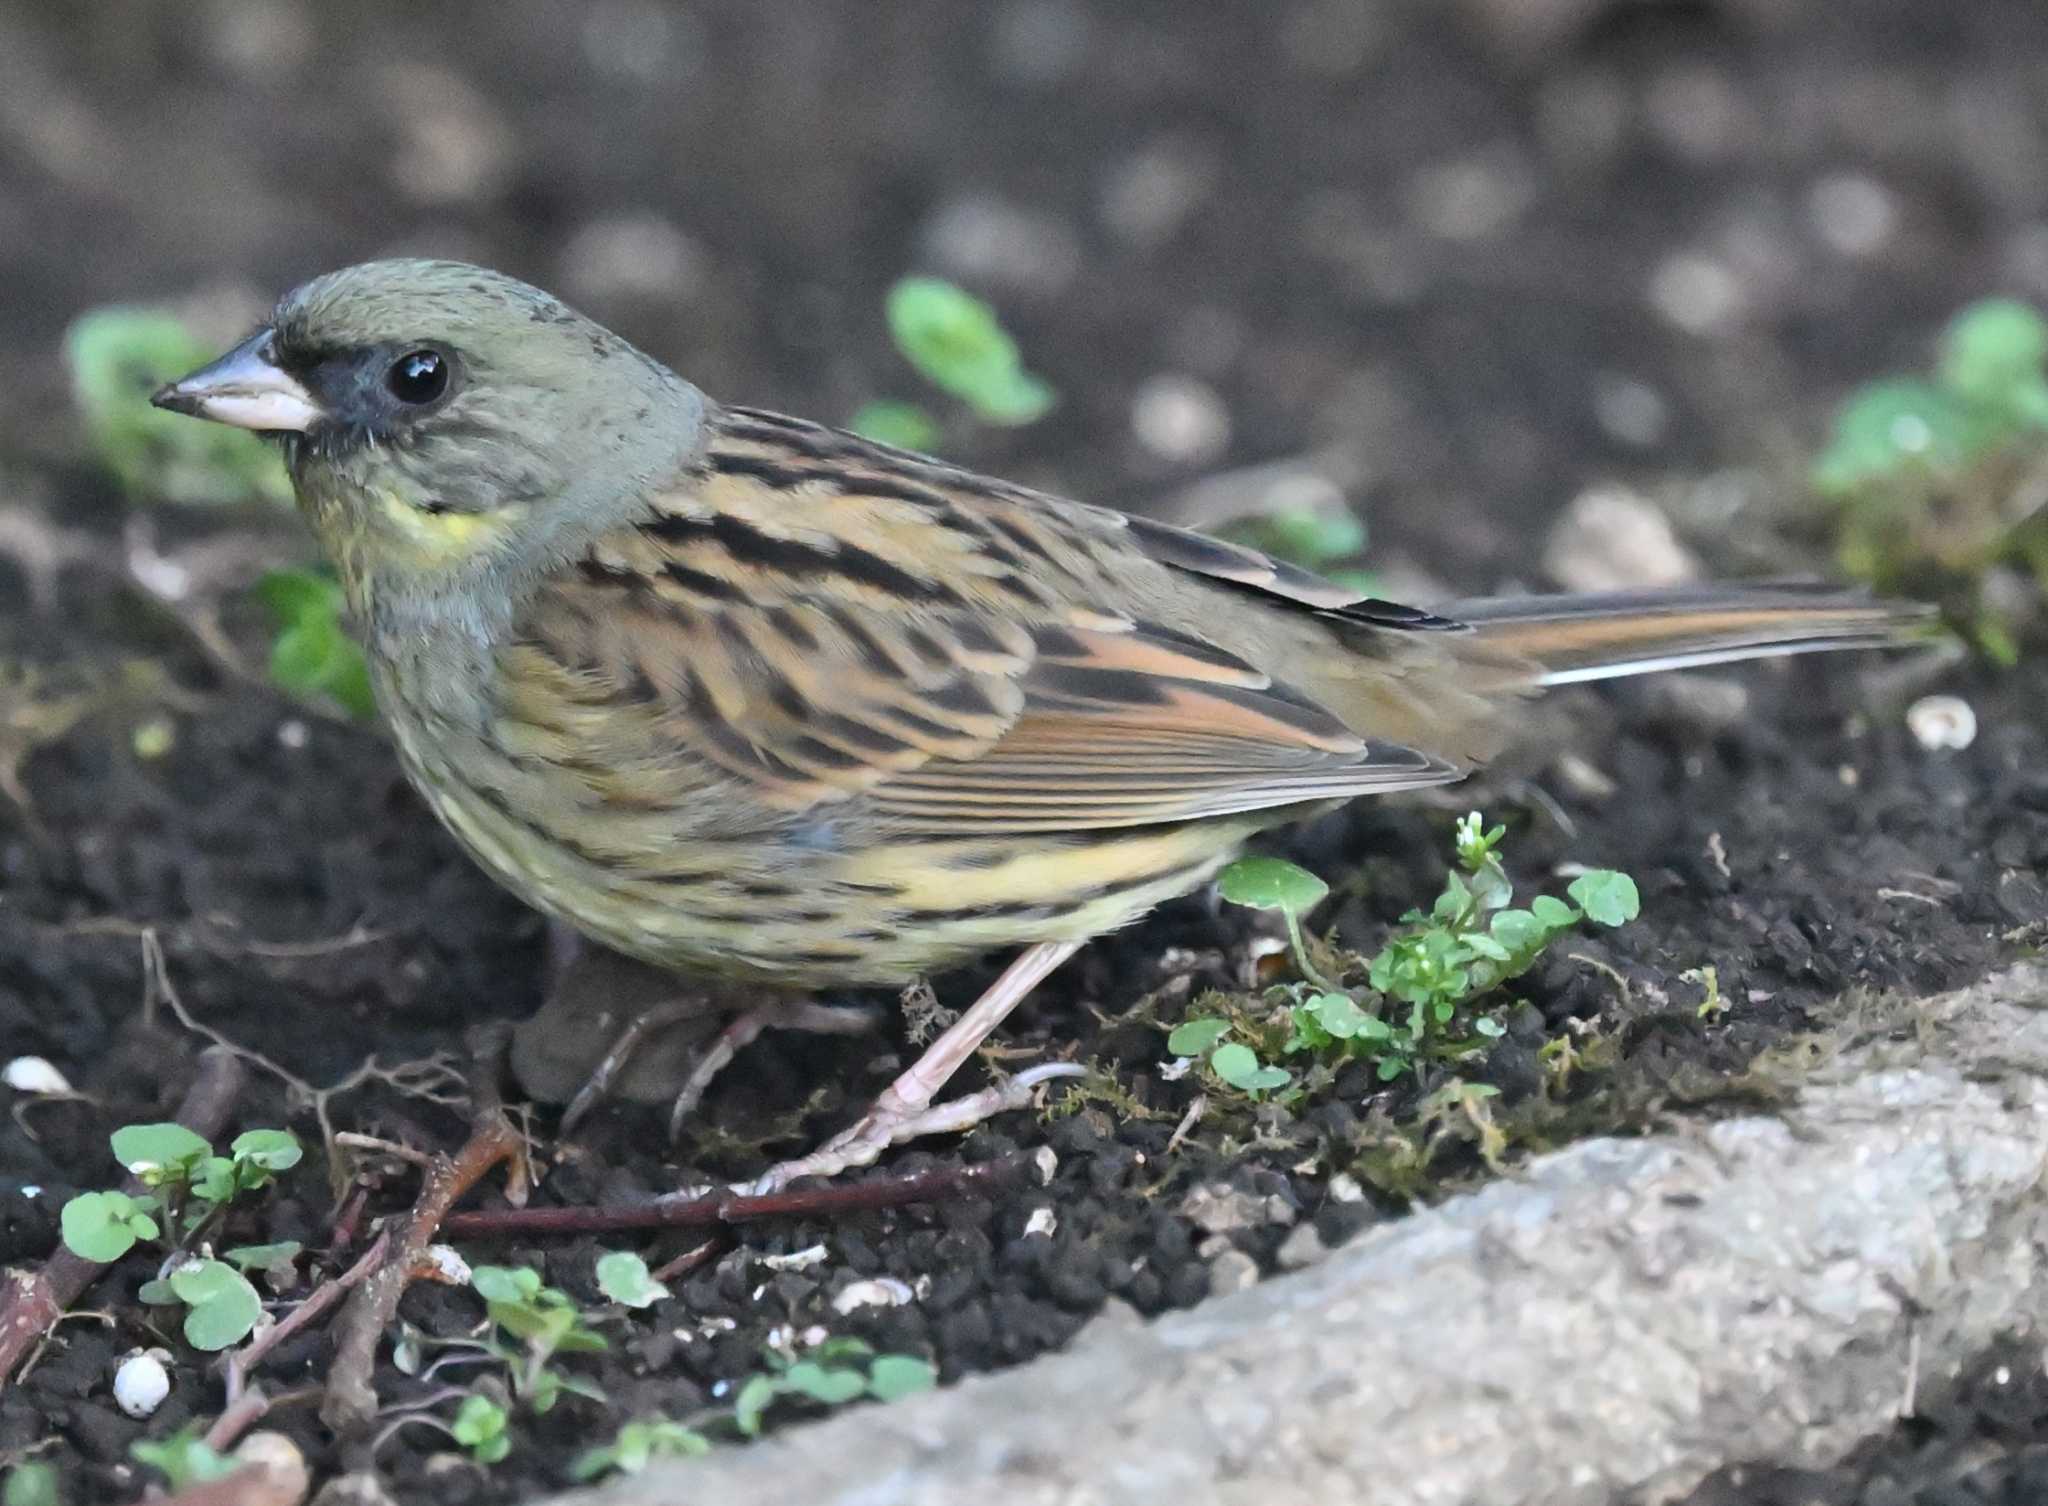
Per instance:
x=1608, y=634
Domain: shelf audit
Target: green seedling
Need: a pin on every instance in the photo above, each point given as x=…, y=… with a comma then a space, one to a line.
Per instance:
x=542, y=1322
x=33, y=1482
x=1936, y=479
x=221, y=1307
x=624, y=1278
x=638, y=1444
x=1420, y=985
x=184, y=1459
x=956, y=343
x=838, y=1371
x=117, y=358
x=482, y=1427
x=312, y=655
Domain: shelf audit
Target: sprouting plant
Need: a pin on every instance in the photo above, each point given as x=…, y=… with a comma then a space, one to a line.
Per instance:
x=956, y=343
x=118, y=357
x=1418, y=985
x=184, y=1458
x=312, y=654
x=637, y=1445
x=838, y=1371
x=544, y=1322
x=1936, y=479
x=624, y=1277
x=188, y=1189
x=482, y=1427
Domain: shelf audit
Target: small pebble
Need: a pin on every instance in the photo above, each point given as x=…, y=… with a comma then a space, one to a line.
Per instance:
x=1232, y=1271
x=141, y=1383
x=795, y=1260
x=882, y=1291
x=34, y=1074
x=1180, y=419
x=1942, y=723
x=448, y=1265
x=1047, y=1161
x=1302, y=1247
x=1042, y=1221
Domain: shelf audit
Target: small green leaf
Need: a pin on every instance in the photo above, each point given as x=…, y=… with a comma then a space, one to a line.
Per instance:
x=1271, y=884
x=1552, y=913
x=894, y=1375
x=1339, y=1014
x=117, y=358
x=511, y=1284
x=1893, y=428
x=482, y=1427
x=755, y=1396
x=104, y=1226
x=1993, y=348
x=956, y=343
x=184, y=1458
x=273, y=1150
x=156, y=1293
x=1607, y=897
x=312, y=654
x=33, y=1482
x=831, y=1387
x=624, y=1277
x=1240, y=1066
x=146, y=1148
x=223, y=1306
x=639, y=1443
x=1193, y=1037
x=270, y=1257
x=903, y=425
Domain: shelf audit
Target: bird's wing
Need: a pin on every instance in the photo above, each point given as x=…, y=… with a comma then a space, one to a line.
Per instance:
x=823, y=619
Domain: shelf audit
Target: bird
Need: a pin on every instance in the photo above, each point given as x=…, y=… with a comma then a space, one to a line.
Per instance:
x=758, y=700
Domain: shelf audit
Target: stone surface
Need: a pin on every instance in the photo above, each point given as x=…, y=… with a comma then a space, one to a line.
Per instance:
x=1623, y=1316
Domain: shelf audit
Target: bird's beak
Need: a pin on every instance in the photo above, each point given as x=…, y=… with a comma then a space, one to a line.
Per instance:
x=246, y=388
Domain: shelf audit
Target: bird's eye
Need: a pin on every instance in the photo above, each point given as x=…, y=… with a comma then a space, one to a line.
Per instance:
x=418, y=377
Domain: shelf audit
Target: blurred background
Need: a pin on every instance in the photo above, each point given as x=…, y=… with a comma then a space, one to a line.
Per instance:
x=1458, y=259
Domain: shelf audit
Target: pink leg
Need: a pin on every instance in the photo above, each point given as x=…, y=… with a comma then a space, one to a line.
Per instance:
x=904, y=1111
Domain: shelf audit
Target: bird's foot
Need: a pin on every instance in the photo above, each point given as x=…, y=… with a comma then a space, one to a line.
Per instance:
x=891, y=1121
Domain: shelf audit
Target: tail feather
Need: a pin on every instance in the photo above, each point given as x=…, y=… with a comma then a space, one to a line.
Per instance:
x=1609, y=634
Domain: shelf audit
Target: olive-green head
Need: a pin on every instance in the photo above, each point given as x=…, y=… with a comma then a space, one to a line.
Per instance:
x=445, y=424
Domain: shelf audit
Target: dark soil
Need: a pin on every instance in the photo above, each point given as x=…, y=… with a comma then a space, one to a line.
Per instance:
x=1321, y=269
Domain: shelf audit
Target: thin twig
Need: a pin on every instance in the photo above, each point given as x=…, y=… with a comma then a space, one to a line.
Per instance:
x=35, y=1300
x=244, y=1361
x=713, y=1208
x=351, y=1404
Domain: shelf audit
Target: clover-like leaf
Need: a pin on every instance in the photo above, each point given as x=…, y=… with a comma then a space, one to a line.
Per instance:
x=272, y=1150
x=151, y=1149
x=1193, y=1037
x=482, y=1427
x=1271, y=884
x=222, y=1307
x=1608, y=898
x=624, y=1277
x=957, y=344
x=104, y=1226
x=894, y=1375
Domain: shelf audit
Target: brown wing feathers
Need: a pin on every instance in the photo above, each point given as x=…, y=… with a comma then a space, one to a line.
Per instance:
x=949, y=649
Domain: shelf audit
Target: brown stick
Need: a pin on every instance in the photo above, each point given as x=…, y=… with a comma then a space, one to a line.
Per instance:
x=35, y=1300
x=713, y=1208
x=351, y=1403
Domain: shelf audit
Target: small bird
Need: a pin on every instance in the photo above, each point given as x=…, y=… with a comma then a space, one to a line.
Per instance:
x=757, y=699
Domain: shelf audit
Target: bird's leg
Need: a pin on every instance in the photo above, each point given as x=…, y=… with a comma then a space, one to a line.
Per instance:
x=744, y=1029
x=904, y=1111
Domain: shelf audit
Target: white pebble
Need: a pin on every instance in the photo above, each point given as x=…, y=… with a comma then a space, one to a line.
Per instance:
x=141, y=1383
x=1042, y=1221
x=882, y=1291
x=448, y=1265
x=34, y=1074
x=1181, y=419
x=1942, y=722
x=795, y=1260
x=1696, y=293
x=1047, y=1161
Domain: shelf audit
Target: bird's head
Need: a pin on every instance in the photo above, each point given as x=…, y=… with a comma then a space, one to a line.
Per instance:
x=439, y=418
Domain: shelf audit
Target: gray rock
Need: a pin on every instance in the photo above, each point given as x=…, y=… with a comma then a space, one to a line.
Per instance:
x=1622, y=1316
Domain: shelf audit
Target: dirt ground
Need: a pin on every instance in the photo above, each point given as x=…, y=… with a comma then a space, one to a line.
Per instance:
x=1473, y=259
